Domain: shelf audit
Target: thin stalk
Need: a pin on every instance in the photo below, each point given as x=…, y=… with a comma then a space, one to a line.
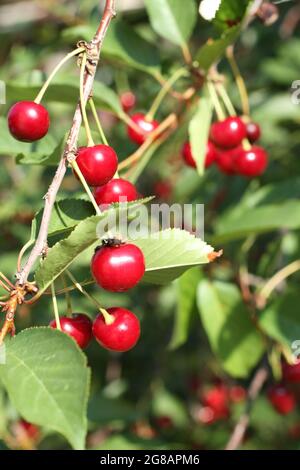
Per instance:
x=182, y=72
x=216, y=103
x=56, y=69
x=278, y=278
x=226, y=100
x=97, y=120
x=67, y=295
x=22, y=252
x=82, y=103
x=86, y=186
x=82, y=290
x=55, y=307
x=239, y=81
x=109, y=319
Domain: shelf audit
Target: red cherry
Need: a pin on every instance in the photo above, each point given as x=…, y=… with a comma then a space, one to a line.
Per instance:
x=282, y=399
x=217, y=399
x=128, y=101
x=164, y=422
x=118, y=268
x=253, y=132
x=237, y=394
x=251, y=162
x=78, y=326
x=226, y=160
x=116, y=190
x=211, y=154
x=120, y=335
x=144, y=125
x=163, y=189
x=98, y=164
x=291, y=373
x=228, y=133
x=31, y=430
x=28, y=121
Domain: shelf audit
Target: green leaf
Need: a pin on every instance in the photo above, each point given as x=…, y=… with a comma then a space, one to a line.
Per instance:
x=214, y=49
x=170, y=253
x=227, y=323
x=186, y=288
x=129, y=442
x=47, y=379
x=230, y=11
x=63, y=253
x=173, y=19
x=280, y=320
x=123, y=44
x=199, y=132
x=66, y=214
x=165, y=403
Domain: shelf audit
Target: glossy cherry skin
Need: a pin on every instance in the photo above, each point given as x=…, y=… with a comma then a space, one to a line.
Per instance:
x=78, y=326
x=128, y=101
x=118, y=268
x=253, y=132
x=98, y=164
x=228, y=133
x=210, y=157
x=144, y=125
x=282, y=399
x=217, y=398
x=28, y=121
x=291, y=372
x=226, y=160
x=116, y=190
x=251, y=162
x=122, y=334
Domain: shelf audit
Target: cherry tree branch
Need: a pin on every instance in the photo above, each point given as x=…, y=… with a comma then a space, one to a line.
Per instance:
x=240, y=429
x=93, y=50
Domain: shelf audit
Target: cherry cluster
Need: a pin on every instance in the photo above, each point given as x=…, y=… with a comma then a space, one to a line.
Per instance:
x=116, y=266
x=283, y=396
x=230, y=148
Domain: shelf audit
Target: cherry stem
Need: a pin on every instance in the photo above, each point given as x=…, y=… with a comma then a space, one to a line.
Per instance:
x=277, y=279
x=109, y=319
x=166, y=124
x=56, y=69
x=246, y=144
x=86, y=186
x=82, y=102
x=96, y=117
x=216, y=102
x=239, y=81
x=226, y=100
x=182, y=72
x=82, y=290
x=22, y=252
x=67, y=295
x=186, y=53
x=4, y=286
x=55, y=307
x=7, y=281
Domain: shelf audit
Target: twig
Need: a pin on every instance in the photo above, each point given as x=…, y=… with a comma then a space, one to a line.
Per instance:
x=95, y=49
x=240, y=429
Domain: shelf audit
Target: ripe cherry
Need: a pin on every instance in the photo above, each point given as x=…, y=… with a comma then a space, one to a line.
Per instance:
x=217, y=399
x=282, y=399
x=128, y=101
x=31, y=430
x=116, y=190
x=98, y=164
x=210, y=157
x=237, y=394
x=145, y=126
x=163, y=189
x=251, y=162
x=78, y=326
x=226, y=160
x=118, y=268
x=228, y=133
x=291, y=372
x=28, y=121
x=120, y=332
x=253, y=132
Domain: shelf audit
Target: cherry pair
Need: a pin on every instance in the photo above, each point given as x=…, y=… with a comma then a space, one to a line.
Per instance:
x=120, y=333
